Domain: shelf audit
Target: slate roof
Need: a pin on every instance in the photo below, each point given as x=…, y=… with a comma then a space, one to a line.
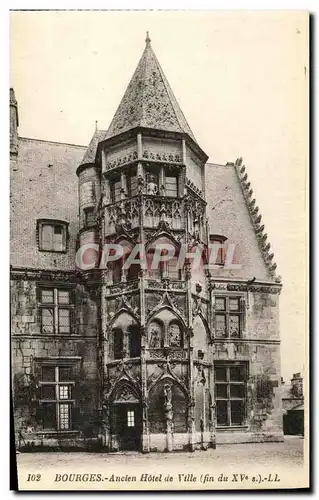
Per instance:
x=149, y=101
x=89, y=156
x=43, y=184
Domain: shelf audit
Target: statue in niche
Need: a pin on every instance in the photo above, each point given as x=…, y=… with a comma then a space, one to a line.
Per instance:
x=174, y=335
x=168, y=395
x=152, y=186
x=155, y=336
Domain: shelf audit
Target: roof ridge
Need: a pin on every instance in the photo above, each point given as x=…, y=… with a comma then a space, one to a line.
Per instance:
x=256, y=219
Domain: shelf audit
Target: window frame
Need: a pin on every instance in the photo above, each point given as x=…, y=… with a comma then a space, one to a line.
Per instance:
x=114, y=191
x=53, y=223
x=57, y=400
x=227, y=365
x=176, y=177
x=227, y=312
x=89, y=212
x=56, y=306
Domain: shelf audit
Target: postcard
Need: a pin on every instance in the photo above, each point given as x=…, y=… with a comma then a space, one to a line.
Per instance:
x=159, y=242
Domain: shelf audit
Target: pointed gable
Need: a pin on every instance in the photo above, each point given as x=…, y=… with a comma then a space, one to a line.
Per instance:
x=149, y=101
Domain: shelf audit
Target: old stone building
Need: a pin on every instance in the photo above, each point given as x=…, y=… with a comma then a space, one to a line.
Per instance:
x=117, y=358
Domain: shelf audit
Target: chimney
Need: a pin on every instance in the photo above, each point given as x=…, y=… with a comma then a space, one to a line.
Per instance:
x=297, y=385
x=14, y=124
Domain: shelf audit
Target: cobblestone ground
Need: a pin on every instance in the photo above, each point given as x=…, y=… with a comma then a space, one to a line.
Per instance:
x=285, y=459
x=289, y=452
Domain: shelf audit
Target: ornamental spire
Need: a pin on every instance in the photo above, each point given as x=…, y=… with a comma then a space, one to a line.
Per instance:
x=147, y=40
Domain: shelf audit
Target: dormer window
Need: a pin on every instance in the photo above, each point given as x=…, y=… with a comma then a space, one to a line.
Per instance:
x=52, y=235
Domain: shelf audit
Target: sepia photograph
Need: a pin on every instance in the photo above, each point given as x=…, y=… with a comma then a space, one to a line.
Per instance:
x=159, y=249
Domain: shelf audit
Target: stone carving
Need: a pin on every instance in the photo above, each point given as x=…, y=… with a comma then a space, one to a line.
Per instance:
x=174, y=335
x=256, y=219
x=168, y=395
x=126, y=395
x=121, y=161
x=192, y=186
x=152, y=186
x=155, y=335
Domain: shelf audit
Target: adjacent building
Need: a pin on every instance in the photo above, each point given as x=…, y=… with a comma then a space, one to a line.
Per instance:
x=118, y=358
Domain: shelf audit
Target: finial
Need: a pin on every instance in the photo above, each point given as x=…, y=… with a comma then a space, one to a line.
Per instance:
x=96, y=123
x=147, y=39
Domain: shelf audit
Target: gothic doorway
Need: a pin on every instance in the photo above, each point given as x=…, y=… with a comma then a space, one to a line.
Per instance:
x=127, y=422
x=126, y=418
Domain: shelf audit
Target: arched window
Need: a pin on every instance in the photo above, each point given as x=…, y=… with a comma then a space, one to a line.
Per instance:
x=134, y=341
x=117, y=343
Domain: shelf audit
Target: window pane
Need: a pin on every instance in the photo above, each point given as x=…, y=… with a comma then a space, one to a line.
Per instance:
x=65, y=392
x=221, y=391
x=48, y=373
x=220, y=304
x=130, y=418
x=171, y=186
x=64, y=321
x=234, y=304
x=47, y=321
x=47, y=297
x=220, y=325
x=65, y=373
x=63, y=297
x=234, y=326
x=47, y=237
x=237, y=391
x=49, y=415
x=221, y=410
x=58, y=238
x=48, y=392
x=237, y=412
x=220, y=373
x=237, y=373
x=64, y=416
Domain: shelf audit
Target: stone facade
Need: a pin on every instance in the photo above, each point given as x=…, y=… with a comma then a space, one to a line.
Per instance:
x=113, y=358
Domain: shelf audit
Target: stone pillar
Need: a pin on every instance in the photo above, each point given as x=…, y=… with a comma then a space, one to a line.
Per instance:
x=139, y=146
x=212, y=425
x=168, y=408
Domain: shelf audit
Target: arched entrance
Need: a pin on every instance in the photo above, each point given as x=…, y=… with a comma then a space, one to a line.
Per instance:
x=126, y=418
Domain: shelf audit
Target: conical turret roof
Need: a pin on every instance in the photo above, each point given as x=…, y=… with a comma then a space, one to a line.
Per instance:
x=149, y=101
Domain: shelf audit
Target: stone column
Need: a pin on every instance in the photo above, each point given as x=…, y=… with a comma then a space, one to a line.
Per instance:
x=168, y=408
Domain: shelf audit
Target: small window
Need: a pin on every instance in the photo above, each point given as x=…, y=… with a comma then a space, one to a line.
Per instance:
x=89, y=216
x=217, y=250
x=116, y=187
x=52, y=236
x=130, y=418
x=171, y=183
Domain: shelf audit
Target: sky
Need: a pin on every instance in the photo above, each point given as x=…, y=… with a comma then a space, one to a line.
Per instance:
x=241, y=79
